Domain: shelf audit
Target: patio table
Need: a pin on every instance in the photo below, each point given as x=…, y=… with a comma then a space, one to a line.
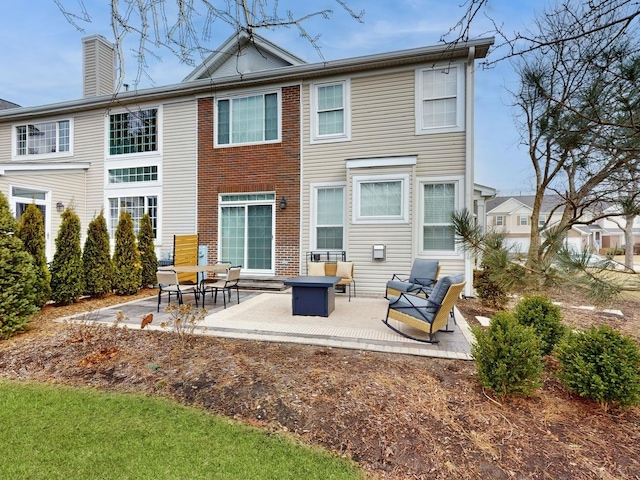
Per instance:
x=313, y=295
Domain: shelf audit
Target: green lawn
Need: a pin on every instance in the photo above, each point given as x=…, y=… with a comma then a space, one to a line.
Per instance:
x=49, y=432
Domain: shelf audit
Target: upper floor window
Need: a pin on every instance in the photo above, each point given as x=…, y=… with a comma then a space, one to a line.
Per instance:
x=330, y=111
x=134, y=174
x=542, y=219
x=252, y=119
x=499, y=220
x=133, y=132
x=45, y=138
x=440, y=99
x=523, y=220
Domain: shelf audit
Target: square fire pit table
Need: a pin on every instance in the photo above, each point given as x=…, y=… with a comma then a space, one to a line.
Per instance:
x=313, y=295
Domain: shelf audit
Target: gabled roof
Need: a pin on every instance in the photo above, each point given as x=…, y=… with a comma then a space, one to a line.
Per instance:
x=549, y=202
x=244, y=53
x=4, y=104
x=295, y=73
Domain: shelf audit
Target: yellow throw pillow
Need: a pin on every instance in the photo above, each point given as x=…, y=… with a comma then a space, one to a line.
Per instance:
x=344, y=269
x=316, y=269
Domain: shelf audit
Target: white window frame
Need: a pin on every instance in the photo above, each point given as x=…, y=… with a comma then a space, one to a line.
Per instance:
x=460, y=99
x=458, y=182
x=13, y=203
x=344, y=136
x=216, y=144
x=32, y=156
x=542, y=219
x=523, y=220
x=313, y=223
x=133, y=192
x=499, y=221
x=358, y=180
x=159, y=133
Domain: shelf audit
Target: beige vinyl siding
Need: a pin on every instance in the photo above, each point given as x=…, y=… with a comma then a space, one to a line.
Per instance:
x=382, y=125
x=5, y=143
x=89, y=146
x=179, y=172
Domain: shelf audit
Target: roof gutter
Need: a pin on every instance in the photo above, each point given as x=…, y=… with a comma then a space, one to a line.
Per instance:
x=296, y=73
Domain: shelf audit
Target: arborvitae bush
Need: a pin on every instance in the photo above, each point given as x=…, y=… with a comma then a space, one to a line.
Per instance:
x=31, y=232
x=545, y=317
x=96, y=258
x=17, y=277
x=508, y=356
x=147, y=250
x=127, y=270
x=67, y=274
x=600, y=364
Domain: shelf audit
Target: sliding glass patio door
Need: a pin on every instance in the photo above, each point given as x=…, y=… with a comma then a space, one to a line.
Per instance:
x=246, y=231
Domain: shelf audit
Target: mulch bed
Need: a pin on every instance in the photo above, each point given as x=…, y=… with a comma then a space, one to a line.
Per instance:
x=398, y=416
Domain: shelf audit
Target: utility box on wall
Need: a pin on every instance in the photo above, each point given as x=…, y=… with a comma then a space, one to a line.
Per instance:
x=379, y=252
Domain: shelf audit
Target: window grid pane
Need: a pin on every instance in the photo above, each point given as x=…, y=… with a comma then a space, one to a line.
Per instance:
x=223, y=122
x=381, y=199
x=134, y=174
x=439, y=204
x=330, y=110
x=42, y=138
x=330, y=218
x=137, y=207
x=133, y=132
x=439, y=102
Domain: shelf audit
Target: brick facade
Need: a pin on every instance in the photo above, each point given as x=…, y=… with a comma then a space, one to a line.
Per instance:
x=273, y=167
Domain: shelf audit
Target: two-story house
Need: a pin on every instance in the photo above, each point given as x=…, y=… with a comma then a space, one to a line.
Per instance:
x=265, y=156
x=513, y=216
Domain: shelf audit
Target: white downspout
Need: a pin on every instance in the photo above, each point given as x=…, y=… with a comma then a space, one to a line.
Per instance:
x=469, y=177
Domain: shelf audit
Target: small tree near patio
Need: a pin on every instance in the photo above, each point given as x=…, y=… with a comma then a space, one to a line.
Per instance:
x=17, y=277
x=96, y=259
x=67, y=275
x=147, y=250
x=127, y=270
x=31, y=232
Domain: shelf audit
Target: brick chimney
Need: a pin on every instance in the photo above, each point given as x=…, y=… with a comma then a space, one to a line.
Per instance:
x=98, y=66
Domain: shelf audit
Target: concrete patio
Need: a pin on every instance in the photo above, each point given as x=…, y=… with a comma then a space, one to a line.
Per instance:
x=266, y=316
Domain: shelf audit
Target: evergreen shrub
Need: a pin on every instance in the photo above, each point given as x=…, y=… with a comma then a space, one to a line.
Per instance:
x=508, y=356
x=96, y=259
x=127, y=270
x=600, y=364
x=31, y=232
x=148, y=258
x=67, y=274
x=545, y=317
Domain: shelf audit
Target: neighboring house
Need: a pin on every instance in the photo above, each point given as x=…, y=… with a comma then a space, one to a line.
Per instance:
x=612, y=233
x=513, y=215
x=265, y=156
x=4, y=104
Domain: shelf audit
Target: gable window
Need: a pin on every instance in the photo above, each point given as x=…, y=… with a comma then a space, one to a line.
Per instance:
x=440, y=97
x=381, y=198
x=523, y=220
x=499, y=220
x=253, y=119
x=133, y=132
x=330, y=111
x=46, y=138
x=329, y=217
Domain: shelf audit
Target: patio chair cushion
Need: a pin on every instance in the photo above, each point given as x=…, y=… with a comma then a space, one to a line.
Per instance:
x=344, y=269
x=316, y=269
x=401, y=286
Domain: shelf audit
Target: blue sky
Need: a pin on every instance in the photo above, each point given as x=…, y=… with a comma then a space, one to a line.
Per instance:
x=42, y=59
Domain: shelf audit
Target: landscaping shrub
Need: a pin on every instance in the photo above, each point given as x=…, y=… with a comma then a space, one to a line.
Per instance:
x=508, y=356
x=127, y=270
x=489, y=291
x=148, y=258
x=31, y=232
x=96, y=258
x=601, y=364
x=17, y=277
x=67, y=275
x=545, y=317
